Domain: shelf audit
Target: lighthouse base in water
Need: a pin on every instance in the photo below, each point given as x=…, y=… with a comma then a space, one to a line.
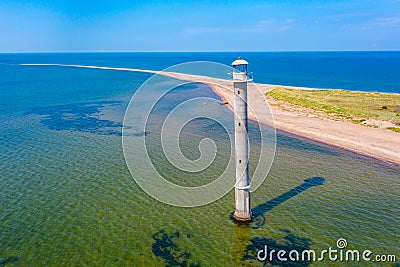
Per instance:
x=243, y=211
x=241, y=219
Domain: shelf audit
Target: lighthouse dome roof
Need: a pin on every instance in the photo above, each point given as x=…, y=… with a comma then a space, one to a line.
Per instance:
x=239, y=61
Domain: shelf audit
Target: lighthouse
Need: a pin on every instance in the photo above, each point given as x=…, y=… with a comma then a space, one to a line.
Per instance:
x=240, y=78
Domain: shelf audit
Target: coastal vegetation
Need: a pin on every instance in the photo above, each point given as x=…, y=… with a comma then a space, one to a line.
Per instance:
x=357, y=107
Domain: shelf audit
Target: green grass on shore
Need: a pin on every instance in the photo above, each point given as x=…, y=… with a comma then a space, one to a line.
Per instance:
x=354, y=106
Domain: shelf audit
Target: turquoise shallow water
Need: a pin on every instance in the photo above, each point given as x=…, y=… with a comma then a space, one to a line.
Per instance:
x=67, y=197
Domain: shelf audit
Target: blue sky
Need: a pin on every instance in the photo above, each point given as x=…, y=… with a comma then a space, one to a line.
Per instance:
x=68, y=25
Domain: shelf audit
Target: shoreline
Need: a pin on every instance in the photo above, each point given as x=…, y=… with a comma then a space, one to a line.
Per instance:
x=377, y=143
x=342, y=148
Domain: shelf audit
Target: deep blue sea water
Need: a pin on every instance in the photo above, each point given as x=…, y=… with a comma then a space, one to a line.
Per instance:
x=67, y=197
x=364, y=71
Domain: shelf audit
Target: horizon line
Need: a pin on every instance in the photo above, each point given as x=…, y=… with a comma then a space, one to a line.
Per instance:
x=194, y=51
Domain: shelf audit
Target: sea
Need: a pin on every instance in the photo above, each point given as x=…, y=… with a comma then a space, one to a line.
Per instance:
x=68, y=197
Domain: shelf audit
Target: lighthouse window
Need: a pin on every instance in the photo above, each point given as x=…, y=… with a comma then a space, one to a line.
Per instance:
x=238, y=92
x=239, y=123
x=240, y=161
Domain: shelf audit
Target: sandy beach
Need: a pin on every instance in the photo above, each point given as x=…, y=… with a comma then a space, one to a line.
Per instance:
x=378, y=143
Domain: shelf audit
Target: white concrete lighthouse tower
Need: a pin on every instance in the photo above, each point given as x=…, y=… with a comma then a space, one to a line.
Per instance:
x=242, y=188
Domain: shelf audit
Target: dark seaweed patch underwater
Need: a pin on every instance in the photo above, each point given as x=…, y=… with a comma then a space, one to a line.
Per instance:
x=80, y=117
x=172, y=254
